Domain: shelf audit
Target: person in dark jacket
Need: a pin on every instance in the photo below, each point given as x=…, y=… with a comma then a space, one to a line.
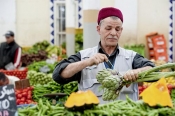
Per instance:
x=10, y=51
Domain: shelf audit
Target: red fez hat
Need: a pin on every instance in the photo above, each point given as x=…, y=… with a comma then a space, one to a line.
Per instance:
x=109, y=11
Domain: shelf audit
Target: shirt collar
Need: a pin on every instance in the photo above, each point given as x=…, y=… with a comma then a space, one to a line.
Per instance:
x=100, y=50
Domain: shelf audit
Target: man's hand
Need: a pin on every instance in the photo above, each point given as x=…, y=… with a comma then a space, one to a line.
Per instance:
x=132, y=75
x=97, y=58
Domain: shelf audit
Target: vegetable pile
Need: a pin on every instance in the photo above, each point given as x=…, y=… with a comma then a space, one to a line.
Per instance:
x=139, y=48
x=36, y=66
x=173, y=94
x=116, y=108
x=41, y=51
x=27, y=59
x=78, y=42
x=24, y=96
x=70, y=87
x=39, y=78
x=53, y=87
x=39, y=46
x=112, y=82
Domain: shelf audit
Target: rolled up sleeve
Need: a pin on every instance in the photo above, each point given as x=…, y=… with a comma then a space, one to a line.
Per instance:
x=139, y=61
x=62, y=65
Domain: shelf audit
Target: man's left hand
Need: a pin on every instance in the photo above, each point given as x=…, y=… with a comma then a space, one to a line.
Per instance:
x=132, y=75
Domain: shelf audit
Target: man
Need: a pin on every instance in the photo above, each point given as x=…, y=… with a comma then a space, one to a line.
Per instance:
x=5, y=80
x=84, y=65
x=10, y=52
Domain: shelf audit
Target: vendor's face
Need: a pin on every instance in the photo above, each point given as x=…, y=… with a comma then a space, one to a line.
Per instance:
x=6, y=82
x=110, y=31
x=9, y=39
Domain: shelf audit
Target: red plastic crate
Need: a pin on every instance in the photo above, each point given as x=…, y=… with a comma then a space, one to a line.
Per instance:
x=160, y=57
x=157, y=41
x=158, y=51
x=21, y=74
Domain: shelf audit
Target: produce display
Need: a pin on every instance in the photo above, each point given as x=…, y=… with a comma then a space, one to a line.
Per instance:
x=53, y=87
x=39, y=78
x=27, y=59
x=116, y=108
x=24, y=96
x=78, y=42
x=169, y=80
x=112, y=80
x=157, y=94
x=36, y=66
x=54, y=50
x=173, y=94
x=39, y=46
x=70, y=87
x=139, y=48
x=41, y=51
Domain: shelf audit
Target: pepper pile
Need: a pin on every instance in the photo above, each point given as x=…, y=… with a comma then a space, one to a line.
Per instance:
x=24, y=96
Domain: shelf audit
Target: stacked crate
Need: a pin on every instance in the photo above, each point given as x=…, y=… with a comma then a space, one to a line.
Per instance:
x=157, y=47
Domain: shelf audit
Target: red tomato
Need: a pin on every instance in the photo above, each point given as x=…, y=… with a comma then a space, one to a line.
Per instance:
x=169, y=86
x=23, y=99
x=140, y=88
x=25, y=90
x=17, y=92
x=29, y=93
x=29, y=101
x=28, y=88
x=24, y=94
x=20, y=103
x=29, y=96
x=19, y=96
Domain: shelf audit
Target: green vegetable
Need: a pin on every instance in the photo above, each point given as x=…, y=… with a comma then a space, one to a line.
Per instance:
x=53, y=87
x=115, y=108
x=113, y=82
x=35, y=66
x=39, y=78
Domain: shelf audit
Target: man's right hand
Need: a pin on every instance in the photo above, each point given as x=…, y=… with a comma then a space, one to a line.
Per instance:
x=97, y=59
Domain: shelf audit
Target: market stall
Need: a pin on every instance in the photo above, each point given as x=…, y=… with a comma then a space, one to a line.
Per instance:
x=67, y=101
x=37, y=94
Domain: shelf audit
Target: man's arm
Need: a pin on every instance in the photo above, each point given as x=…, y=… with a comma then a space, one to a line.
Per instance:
x=139, y=64
x=70, y=69
x=17, y=57
x=73, y=68
x=62, y=65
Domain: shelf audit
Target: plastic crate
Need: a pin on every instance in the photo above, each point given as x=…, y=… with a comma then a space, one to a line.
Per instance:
x=158, y=51
x=21, y=74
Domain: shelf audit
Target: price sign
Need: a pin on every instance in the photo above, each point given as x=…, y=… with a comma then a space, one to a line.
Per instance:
x=7, y=101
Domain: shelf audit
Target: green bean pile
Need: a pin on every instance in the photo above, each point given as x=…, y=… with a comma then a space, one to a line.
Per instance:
x=116, y=108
